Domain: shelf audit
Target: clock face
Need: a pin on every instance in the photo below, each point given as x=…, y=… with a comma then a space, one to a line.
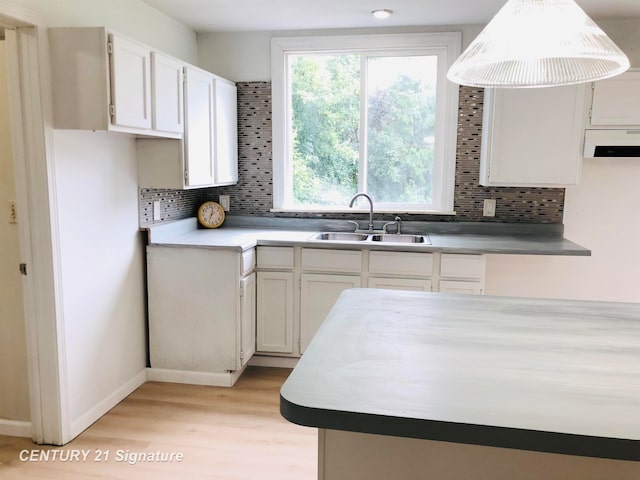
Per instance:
x=210, y=215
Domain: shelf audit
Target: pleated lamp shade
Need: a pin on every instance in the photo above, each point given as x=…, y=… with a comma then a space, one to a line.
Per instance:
x=538, y=43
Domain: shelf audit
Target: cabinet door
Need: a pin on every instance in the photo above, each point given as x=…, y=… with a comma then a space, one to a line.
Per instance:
x=455, y=286
x=533, y=136
x=616, y=101
x=199, y=126
x=275, y=312
x=130, y=83
x=412, y=284
x=167, y=88
x=226, y=134
x=317, y=296
x=247, y=319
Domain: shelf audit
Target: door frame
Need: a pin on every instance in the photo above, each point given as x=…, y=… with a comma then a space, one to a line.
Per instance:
x=32, y=133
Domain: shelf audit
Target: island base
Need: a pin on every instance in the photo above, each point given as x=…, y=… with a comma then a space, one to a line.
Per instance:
x=359, y=456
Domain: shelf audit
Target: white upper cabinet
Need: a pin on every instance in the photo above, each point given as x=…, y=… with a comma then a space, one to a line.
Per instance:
x=103, y=81
x=199, y=127
x=168, y=93
x=208, y=153
x=130, y=83
x=226, y=132
x=533, y=137
x=616, y=101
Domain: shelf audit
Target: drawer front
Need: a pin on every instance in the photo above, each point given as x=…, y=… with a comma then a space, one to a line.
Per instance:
x=248, y=261
x=275, y=258
x=401, y=263
x=340, y=261
x=457, y=286
x=410, y=284
x=462, y=266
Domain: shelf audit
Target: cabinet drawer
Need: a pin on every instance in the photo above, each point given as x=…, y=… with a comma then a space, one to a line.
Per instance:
x=277, y=258
x=462, y=266
x=248, y=261
x=411, y=284
x=339, y=261
x=457, y=286
x=401, y=263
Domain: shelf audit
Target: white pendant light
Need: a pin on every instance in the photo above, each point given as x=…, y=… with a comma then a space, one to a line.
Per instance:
x=538, y=43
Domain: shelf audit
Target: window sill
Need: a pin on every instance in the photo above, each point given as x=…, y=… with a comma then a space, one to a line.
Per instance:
x=361, y=211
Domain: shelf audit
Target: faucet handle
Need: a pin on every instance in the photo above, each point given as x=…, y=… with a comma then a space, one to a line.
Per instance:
x=355, y=223
x=384, y=227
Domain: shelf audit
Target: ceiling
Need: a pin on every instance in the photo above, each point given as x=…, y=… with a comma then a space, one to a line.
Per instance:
x=257, y=15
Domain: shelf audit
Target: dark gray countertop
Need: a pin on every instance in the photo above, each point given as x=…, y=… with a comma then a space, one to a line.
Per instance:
x=544, y=375
x=471, y=239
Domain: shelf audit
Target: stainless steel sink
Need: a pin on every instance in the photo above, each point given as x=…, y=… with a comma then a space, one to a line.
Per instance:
x=342, y=236
x=395, y=238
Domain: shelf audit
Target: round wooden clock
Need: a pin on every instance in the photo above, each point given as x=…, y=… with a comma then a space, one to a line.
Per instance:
x=210, y=215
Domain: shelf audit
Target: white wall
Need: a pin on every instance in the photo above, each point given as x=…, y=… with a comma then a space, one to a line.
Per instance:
x=102, y=257
x=14, y=387
x=102, y=264
x=95, y=183
x=132, y=18
x=246, y=56
x=602, y=213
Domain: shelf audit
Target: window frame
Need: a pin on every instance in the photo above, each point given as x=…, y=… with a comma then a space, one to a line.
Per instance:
x=445, y=45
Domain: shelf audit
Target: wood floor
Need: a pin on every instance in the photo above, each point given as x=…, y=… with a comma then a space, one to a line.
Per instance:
x=223, y=433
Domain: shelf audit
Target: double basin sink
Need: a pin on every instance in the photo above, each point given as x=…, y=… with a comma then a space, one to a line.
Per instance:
x=372, y=237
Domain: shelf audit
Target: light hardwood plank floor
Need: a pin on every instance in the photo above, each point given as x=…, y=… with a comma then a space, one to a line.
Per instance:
x=223, y=433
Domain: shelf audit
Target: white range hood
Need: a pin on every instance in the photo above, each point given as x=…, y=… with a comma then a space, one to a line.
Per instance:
x=611, y=143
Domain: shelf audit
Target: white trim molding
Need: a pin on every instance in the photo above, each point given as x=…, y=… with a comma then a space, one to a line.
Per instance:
x=13, y=428
x=36, y=200
x=88, y=418
x=213, y=379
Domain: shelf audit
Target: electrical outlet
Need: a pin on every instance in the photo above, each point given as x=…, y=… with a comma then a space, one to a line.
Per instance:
x=156, y=211
x=13, y=212
x=489, y=207
x=225, y=202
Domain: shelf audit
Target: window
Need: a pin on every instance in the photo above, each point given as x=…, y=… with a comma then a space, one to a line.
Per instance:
x=368, y=114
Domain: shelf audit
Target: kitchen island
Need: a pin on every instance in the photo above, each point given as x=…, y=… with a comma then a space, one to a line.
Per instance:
x=421, y=385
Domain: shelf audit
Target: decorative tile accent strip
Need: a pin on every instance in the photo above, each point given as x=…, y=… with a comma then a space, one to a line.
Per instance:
x=253, y=195
x=174, y=204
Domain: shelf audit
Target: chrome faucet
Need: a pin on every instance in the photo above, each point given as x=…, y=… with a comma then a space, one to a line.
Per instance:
x=399, y=225
x=368, y=197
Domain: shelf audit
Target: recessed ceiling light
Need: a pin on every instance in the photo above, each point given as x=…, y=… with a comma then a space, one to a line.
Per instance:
x=382, y=13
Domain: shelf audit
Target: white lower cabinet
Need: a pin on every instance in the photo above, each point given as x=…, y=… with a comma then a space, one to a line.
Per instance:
x=298, y=286
x=318, y=293
x=201, y=312
x=462, y=273
x=276, y=301
x=247, y=318
x=275, y=312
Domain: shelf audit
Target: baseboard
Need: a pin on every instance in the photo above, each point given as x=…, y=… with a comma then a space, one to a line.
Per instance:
x=13, y=428
x=213, y=379
x=89, y=418
x=269, y=361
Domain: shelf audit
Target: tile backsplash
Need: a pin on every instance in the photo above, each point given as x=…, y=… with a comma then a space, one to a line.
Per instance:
x=253, y=193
